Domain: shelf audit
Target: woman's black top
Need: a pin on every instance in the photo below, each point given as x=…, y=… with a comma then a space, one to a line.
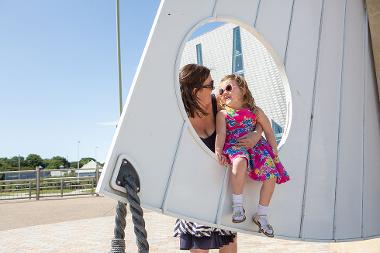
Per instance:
x=210, y=141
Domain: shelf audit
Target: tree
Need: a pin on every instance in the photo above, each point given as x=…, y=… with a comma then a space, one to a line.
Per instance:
x=73, y=164
x=5, y=164
x=56, y=161
x=15, y=160
x=34, y=160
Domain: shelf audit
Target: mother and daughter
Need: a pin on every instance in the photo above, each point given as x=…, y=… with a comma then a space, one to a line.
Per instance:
x=231, y=125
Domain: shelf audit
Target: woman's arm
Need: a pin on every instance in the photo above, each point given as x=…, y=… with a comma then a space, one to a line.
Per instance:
x=220, y=136
x=263, y=120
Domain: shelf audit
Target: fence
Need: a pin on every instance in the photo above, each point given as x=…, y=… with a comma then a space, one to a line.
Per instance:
x=36, y=184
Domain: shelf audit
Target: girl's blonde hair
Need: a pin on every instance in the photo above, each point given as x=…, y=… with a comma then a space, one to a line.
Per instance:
x=248, y=100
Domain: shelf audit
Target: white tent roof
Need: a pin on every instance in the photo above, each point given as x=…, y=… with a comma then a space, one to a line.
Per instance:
x=90, y=165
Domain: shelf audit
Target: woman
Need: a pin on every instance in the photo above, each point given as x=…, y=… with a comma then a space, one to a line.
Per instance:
x=196, y=85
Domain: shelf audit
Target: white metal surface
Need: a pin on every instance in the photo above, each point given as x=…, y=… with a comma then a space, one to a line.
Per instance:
x=332, y=150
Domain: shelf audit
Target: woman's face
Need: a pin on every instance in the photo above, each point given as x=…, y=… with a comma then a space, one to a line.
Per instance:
x=232, y=95
x=204, y=94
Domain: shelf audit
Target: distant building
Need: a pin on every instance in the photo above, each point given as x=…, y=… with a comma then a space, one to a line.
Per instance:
x=89, y=169
x=230, y=49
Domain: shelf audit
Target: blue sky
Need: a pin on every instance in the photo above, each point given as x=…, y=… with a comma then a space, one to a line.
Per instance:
x=58, y=73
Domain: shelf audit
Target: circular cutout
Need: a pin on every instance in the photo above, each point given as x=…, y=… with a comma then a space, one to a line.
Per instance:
x=227, y=48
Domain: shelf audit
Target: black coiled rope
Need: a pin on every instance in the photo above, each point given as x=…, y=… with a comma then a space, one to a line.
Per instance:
x=118, y=243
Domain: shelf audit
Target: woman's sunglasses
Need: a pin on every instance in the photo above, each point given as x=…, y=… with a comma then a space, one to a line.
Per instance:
x=228, y=88
x=208, y=86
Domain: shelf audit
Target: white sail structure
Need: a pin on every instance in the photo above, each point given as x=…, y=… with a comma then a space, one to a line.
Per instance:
x=332, y=151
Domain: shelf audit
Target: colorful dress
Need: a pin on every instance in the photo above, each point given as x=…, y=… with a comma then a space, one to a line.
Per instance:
x=263, y=164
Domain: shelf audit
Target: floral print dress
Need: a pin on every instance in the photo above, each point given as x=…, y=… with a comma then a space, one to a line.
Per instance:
x=263, y=164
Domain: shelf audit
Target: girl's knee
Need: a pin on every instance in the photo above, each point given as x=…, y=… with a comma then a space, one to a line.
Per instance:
x=240, y=162
x=239, y=166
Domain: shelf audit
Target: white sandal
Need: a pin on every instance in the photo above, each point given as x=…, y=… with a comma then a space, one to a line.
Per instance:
x=265, y=229
x=238, y=216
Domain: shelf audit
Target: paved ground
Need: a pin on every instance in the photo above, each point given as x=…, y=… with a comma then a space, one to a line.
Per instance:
x=85, y=225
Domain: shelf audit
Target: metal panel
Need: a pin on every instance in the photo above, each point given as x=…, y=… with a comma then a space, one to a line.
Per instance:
x=195, y=187
x=300, y=66
x=371, y=185
x=332, y=137
x=322, y=162
x=273, y=22
x=151, y=117
x=348, y=221
x=242, y=10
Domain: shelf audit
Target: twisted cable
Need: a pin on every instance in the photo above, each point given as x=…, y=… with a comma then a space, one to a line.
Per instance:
x=137, y=215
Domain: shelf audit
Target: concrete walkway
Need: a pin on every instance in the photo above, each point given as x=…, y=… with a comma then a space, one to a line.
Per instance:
x=85, y=224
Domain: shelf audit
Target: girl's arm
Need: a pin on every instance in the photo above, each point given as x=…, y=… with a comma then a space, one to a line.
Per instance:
x=263, y=120
x=220, y=136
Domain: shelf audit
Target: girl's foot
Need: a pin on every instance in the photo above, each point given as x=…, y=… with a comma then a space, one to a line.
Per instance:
x=264, y=227
x=238, y=214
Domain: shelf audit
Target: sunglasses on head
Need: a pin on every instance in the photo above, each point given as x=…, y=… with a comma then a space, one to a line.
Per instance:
x=209, y=86
x=228, y=88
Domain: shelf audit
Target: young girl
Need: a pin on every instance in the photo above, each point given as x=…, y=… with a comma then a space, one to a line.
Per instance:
x=240, y=116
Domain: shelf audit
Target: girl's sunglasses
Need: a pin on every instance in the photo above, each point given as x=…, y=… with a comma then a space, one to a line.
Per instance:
x=228, y=88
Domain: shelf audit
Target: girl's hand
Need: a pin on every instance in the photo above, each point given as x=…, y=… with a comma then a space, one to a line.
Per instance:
x=249, y=140
x=221, y=158
x=275, y=151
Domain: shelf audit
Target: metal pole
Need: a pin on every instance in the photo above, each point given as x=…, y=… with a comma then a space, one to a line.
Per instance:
x=37, y=182
x=118, y=56
x=92, y=186
x=118, y=243
x=78, y=161
x=30, y=189
x=62, y=187
x=96, y=165
x=78, y=155
x=19, y=166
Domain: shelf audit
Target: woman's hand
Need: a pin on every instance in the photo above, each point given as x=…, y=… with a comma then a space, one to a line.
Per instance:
x=249, y=140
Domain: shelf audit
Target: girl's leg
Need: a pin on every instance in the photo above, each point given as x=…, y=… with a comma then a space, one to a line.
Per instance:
x=238, y=174
x=199, y=250
x=261, y=216
x=266, y=191
x=230, y=248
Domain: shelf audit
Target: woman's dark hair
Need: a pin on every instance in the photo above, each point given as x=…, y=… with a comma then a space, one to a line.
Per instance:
x=191, y=77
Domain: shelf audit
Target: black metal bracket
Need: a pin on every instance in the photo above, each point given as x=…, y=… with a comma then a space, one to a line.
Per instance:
x=127, y=171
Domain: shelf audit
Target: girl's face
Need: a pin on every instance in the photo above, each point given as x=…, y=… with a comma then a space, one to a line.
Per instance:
x=204, y=93
x=232, y=95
